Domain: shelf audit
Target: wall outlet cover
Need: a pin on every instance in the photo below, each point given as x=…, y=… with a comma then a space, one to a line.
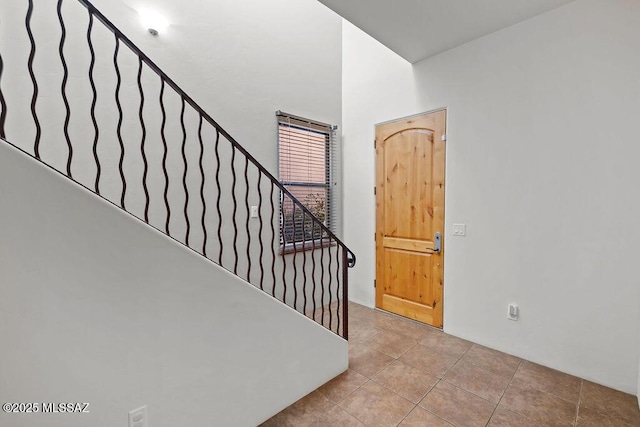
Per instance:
x=138, y=417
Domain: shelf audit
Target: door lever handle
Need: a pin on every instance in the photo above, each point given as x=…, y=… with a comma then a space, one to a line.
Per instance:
x=437, y=243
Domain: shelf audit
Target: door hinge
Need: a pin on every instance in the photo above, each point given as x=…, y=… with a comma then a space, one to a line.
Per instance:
x=374, y=283
x=374, y=144
x=374, y=191
x=444, y=137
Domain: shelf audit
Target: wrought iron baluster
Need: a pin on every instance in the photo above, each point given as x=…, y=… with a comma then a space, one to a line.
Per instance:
x=322, y=277
x=142, y=142
x=273, y=242
x=246, y=204
x=120, y=120
x=165, y=150
x=184, y=175
x=3, y=103
x=204, y=203
x=260, y=231
x=96, y=130
x=235, y=209
x=295, y=265
x=330, y=273
x=63, y=88
x=304, y=262
x=313, y=263
x=220, y=242
x=283, y=237
x=338, y=289
x=34, y=96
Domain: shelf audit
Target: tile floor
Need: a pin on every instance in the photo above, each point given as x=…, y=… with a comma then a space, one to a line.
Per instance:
x=403, y=373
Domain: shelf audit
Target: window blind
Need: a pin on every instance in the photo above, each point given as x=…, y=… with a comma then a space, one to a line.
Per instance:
x=306, y=150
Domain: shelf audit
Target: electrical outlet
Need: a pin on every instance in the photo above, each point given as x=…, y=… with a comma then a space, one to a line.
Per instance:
x=459, y=229
x=254, y=212
x=513, y=312
x=138, y=417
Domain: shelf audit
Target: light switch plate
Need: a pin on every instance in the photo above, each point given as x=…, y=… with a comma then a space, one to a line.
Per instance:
x=459, y=229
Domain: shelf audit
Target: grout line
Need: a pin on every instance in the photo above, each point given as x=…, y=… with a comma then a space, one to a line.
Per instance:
x=505, y=391
x=575, y=421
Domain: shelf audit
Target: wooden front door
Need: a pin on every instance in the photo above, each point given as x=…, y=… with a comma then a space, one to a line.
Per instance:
x=410, y=161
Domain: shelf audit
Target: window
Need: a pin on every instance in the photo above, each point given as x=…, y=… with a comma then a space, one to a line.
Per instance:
x=305, y=151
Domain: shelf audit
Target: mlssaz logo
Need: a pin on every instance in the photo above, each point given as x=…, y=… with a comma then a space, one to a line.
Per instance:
x=65, y=407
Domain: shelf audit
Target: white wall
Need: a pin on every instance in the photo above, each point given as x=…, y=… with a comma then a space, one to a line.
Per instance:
x=542, y=167
x=97, y=307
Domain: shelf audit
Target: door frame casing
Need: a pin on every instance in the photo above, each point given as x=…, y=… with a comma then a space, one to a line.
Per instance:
x=446, y=109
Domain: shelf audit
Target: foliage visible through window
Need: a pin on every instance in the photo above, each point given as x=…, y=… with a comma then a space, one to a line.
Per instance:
x=304, y=149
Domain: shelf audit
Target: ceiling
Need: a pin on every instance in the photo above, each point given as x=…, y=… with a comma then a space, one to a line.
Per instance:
x=418, y=29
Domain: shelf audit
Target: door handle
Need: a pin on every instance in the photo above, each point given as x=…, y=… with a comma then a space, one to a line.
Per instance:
x=437, y=243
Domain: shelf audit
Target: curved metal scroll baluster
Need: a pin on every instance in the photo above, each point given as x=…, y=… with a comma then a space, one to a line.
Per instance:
x=218, y=198
x=246, y=204
x=330, y=283
x=273, y=242
x=96, y=131
x=184, y=175
x=295, y=266
x=3, y=104
x=63, y=88
x=235, y=209
x=119, y=127
x=204, y=203
x=34, y=96
x=165, y=151
x=142, y=143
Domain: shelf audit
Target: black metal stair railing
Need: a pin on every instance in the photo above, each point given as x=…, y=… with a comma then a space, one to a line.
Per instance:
x=310, y=274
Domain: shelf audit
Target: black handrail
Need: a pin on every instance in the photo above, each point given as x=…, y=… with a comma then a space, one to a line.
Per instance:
x=94, y=11
x=321, y=237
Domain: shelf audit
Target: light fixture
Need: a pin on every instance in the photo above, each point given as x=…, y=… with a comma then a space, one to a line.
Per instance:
x=153, y=21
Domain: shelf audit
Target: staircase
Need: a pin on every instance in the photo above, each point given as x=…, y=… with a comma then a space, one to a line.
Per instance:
x=106, y=116
x=132, y=271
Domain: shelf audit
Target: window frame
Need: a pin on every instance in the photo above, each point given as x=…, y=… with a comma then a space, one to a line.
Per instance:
x=285, y=120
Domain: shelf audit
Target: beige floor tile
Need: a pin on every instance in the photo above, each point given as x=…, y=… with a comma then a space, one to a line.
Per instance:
x=444, y=343
x=366, y=361
x=492, y=360
x=422, y=418
x=457, y=406
x=337, y=416
x=538, y=405
x=389, y=343
x=478, y=381
x=407, y=381
x=343, y=385
x=549, y=380
x=314, y=402
x=290, y=417
x=434, y=363
x=305, y=412
x=505, y=418
x=611, y=402
x=407, y=328
x=588, y=417
x=375, y=405
x=360, y=331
